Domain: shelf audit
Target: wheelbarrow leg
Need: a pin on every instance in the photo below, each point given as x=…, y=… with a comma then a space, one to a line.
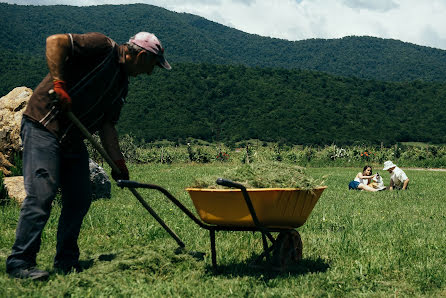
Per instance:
x=265, y=246
x=157, y=218
x=213, y=251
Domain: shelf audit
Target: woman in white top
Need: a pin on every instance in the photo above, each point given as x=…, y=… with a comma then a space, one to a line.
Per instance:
x=362, y=180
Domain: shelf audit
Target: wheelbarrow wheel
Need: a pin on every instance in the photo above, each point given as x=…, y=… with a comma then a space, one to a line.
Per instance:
x=288, y=249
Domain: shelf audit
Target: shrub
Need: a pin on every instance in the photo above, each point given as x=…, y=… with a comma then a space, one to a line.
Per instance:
x=3, y=192
x=198, y=155
x=17, y=169
x=222, y=156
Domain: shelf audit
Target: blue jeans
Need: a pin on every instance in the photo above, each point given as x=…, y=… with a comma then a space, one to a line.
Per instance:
x=353, y=185
x=48, y=165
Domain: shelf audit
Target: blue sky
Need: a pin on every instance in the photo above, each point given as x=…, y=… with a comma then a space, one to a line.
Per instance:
x=422, y=22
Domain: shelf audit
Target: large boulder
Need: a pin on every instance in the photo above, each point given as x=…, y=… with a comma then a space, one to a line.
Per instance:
x=15, y=188
x=12, y=106
x=100, y=183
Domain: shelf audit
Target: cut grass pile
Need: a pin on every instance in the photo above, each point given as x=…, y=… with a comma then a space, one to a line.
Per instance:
x=262, y=175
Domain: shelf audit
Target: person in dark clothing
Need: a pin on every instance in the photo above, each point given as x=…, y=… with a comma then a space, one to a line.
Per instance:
x=89, y=74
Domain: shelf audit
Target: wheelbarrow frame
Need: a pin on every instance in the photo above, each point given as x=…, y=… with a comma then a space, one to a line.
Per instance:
x=258, y=227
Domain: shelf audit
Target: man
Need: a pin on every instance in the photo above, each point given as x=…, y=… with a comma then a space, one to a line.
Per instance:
x=89, y=74
x=398, y=179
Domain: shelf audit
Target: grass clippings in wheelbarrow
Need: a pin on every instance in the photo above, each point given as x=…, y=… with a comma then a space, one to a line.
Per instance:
x=263, y=175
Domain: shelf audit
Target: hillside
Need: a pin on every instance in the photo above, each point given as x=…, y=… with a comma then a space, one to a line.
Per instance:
x=232, y=103
x=192, y=39
x=227, y=85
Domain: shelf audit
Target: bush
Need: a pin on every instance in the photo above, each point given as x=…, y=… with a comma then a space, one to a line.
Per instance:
x=3, y=192
x=199, y=154
x=17, y=169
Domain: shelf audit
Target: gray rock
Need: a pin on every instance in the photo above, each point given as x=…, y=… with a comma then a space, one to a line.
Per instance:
x=12, y=106
x=100, y=183
x=15, y=188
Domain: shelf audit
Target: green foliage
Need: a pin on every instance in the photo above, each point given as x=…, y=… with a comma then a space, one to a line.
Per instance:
x=222, y=156
x=198, y=154
x=17, y=169
x=229, y=104
x=222, y=87
x=3, y=192
x=192, y=39
x=427, y=156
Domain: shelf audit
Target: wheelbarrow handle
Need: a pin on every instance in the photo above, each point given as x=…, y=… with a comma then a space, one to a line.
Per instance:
x=95, y=144
x=229, y=183
x=88, y=135
x=115, y=168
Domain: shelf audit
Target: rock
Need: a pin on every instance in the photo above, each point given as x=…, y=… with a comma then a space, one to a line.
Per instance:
x=15, y=188
x=100, y=183
x=4, y=164
x=12, y=106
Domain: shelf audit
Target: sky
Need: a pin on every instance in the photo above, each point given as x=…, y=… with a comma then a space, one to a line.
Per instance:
x=422, y=22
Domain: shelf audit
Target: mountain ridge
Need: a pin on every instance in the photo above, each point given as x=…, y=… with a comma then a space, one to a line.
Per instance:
x=193, y=39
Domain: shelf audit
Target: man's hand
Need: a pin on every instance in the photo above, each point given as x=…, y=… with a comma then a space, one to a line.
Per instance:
x=406, y=182
x=124, y=172
x=62, y=95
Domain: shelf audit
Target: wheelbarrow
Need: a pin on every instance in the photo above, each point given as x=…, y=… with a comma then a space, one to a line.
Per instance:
x=269, y=210
x=266, y=211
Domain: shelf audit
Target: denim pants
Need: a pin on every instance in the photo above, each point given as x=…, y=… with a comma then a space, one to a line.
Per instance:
x=48, y=166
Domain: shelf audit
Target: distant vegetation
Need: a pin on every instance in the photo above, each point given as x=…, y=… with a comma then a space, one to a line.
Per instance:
x=256, y=151
x=189, y=38
x=233, y=103
x=228, y=86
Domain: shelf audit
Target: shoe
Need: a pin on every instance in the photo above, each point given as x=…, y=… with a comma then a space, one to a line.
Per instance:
x=29, y=273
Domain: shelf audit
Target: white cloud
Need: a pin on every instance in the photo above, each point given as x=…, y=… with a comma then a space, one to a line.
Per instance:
x=378, y=5
x=415, y=21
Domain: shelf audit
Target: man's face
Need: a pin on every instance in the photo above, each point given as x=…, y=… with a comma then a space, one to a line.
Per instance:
x=143, y=63
x=391, y=170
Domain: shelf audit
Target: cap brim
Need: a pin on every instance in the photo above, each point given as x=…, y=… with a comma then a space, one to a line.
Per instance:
x=162, y=62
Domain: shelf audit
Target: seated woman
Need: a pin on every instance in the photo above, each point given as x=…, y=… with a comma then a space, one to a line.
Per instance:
x=362, y=180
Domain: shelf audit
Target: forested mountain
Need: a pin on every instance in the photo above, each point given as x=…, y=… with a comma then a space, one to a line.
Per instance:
x=189, y=38
x=227, y=85
x=231, y=103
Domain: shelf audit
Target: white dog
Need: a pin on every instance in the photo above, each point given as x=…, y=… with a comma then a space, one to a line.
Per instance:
x=378, y=182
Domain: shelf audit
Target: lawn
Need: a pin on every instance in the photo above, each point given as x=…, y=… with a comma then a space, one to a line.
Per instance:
x=354, y=244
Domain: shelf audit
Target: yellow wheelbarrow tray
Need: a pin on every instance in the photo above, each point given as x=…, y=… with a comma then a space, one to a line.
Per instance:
x=265, y=210
x=274, y=207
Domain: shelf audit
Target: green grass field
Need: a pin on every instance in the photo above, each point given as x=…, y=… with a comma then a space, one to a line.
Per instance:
x=354, y=244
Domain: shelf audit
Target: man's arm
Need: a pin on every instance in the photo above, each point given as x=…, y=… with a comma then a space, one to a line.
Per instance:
x=57, y=49
x=406, y=182
x=391, y=185
x=110, y=142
